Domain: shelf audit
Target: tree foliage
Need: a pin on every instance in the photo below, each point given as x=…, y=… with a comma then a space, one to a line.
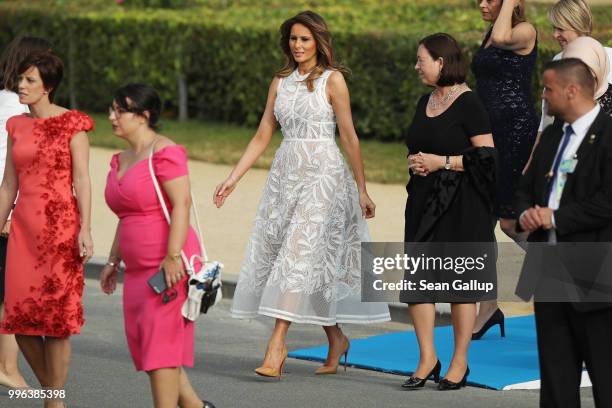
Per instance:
x=227, y=51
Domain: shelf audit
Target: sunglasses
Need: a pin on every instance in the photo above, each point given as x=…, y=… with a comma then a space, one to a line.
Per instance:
x=169, y=295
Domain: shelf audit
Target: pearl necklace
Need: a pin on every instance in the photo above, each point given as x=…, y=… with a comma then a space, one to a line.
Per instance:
x=443, y=102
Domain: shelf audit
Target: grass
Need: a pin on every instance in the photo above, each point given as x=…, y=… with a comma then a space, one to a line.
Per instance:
x=222, y=143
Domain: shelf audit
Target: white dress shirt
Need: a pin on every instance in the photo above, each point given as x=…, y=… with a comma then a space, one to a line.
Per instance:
x=9, y=106
x=580, y=128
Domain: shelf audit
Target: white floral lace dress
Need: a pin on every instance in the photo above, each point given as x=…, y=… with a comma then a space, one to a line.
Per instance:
x=302, y=262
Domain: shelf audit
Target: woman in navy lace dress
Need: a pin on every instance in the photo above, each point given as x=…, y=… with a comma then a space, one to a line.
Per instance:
x=503, y=67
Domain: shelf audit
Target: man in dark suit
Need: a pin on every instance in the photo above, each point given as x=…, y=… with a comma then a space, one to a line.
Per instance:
x=564, y=197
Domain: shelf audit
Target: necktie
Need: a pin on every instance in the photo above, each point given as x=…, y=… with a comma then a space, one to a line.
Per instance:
x=553, y=172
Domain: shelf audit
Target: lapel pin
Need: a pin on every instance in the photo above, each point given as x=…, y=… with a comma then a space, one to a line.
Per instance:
x=592, y=138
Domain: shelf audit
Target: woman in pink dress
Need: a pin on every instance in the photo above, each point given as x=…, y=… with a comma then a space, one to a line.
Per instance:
x=50, y=237
x=159, y=338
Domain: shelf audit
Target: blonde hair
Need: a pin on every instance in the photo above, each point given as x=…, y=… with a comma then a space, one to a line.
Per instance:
x=572, y=15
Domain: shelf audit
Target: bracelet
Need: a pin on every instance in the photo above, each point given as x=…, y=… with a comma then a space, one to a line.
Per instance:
x=174, y=256
x=113, y=260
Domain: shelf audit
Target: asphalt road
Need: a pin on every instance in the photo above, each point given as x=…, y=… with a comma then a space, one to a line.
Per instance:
x=227, y=351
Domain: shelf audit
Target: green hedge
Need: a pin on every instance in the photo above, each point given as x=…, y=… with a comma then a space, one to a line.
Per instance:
x=227, y=66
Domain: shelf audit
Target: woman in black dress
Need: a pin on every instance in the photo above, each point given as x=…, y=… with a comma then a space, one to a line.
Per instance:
x=451, y=189
x=503, y=67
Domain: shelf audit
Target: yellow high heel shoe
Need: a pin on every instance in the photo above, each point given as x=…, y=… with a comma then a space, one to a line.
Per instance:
x=273, y=372
x=333, y=369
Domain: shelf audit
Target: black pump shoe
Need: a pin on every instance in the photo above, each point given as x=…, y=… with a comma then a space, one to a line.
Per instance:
x=496, y=318
x=447, y=385
x=412, y=383
x=207, y=404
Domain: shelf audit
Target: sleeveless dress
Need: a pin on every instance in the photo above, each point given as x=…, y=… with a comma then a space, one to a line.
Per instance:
x=44, y=270
x=157, y=334
x=503, y=83
x=302, y=262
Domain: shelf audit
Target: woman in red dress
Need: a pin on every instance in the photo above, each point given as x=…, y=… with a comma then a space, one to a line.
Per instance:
x=13, y=54
x=50, y=237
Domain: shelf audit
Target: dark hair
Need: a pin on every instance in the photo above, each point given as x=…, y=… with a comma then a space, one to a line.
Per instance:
x=14, y=54
x=321, y=35
x=573, y=70
x=49, y=66
x=518, y=13
x=441, y=45
x=142, y=98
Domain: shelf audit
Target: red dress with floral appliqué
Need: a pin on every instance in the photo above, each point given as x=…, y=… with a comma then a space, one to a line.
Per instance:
x=44, y=271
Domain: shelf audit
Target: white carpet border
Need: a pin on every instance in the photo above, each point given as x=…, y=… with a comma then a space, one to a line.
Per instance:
x=535, y=385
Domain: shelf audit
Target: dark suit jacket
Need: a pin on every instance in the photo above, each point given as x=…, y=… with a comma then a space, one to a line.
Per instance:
x=585, y=209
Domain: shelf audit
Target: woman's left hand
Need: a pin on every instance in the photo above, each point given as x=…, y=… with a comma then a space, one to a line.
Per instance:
x=423, y=164
x=368, y=208
x=85, y=245
x=173, y=270
x=108, y=279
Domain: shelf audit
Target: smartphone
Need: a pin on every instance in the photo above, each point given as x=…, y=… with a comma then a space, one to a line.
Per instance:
x=158, y=281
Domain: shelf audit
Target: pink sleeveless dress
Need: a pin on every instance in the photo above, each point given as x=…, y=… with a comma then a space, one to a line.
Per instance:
x=157, y=334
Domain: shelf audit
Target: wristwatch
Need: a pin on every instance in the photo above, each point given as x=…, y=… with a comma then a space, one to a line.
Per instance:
x=112, y=264
x=447, y=164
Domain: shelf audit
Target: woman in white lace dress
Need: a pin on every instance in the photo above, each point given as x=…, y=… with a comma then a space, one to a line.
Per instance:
x=302, y=263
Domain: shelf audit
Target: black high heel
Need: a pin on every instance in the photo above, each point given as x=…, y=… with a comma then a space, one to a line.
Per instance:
x=412, y=383
x=496, y=318
x=448, y=385
x=207, y=404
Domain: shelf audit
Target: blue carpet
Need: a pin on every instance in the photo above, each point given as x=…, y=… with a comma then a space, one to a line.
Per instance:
x=495, y=362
